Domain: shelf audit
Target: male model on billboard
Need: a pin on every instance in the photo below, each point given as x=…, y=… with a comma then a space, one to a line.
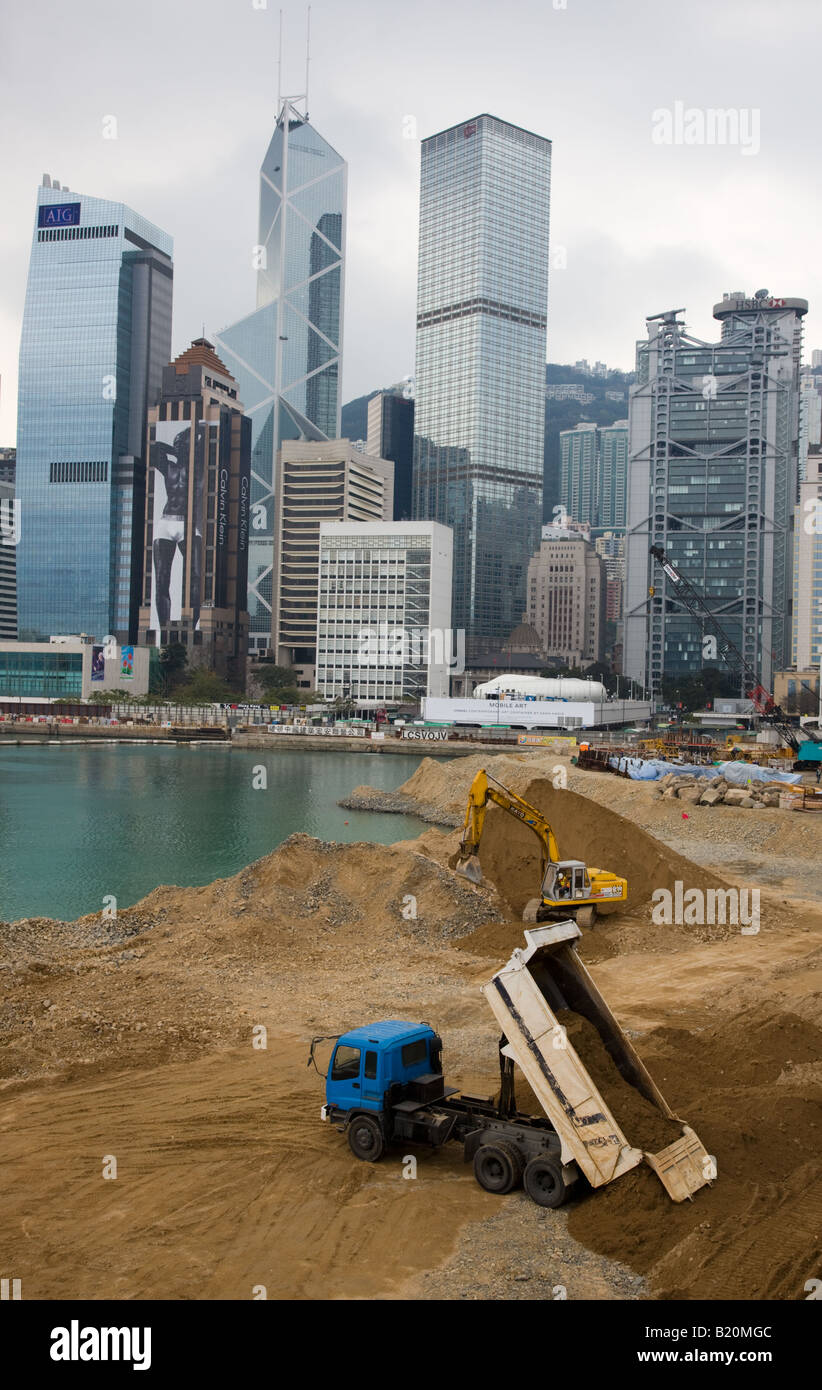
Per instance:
x=171, y=461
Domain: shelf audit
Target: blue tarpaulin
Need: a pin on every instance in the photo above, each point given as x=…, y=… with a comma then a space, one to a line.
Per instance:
x=738, y=773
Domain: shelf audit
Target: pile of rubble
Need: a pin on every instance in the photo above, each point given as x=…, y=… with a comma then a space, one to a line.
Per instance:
x=715, y=791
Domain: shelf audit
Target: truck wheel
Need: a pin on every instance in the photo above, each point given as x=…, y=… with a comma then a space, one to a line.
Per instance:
x=586, y=916
x=529, y=912
x=544, y=1182
x=498, y=1167
x=365, y=1139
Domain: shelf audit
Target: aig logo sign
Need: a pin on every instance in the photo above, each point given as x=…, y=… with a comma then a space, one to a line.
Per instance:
x=59, y=215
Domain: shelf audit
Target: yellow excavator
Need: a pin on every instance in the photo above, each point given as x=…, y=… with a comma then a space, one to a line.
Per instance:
x=569, y=887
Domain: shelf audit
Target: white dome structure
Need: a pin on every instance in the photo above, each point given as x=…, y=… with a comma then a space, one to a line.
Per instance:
x=541, y=688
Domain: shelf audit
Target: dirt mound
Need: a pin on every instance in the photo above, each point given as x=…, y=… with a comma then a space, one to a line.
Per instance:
x=751, y=1088
x=510, y=852
x=585, y=825
x=151, y=984
x=644, y=1126
x=442, y=784
x=772, y=848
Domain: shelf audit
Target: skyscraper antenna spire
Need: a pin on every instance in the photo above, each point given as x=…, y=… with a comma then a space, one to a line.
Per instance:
x=307, y=56
x=280, y=67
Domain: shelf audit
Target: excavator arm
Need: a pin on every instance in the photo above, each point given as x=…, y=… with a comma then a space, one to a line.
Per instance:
x=481, y=793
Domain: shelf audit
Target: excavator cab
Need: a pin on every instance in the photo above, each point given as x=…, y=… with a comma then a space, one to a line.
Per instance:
x=568, y=885
x=566, y=881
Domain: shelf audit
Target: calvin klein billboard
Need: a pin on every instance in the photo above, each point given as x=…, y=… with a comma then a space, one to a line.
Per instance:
x=178, y=522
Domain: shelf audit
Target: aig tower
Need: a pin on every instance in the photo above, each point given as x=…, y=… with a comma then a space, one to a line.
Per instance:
x=480, y=371
x=96, y=336
x=286, y=355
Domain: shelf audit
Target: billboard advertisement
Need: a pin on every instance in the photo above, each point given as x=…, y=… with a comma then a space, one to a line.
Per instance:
x=175, y=552
x=98, y=664
x=223, y=521
x=198, y=514
x=244, y=512
x=126, y=663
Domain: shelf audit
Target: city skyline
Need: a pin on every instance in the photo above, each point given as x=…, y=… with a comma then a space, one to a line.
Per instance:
x=196, y=176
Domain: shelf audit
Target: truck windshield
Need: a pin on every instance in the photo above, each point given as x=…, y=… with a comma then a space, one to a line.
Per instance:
x=346, y=1063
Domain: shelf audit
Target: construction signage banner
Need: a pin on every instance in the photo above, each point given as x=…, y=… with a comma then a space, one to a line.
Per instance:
x=549, y=740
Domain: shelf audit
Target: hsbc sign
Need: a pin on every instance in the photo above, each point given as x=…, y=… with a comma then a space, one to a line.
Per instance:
x=769, y=303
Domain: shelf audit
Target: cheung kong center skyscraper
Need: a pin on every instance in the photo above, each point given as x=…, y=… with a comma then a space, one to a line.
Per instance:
x=286, y=355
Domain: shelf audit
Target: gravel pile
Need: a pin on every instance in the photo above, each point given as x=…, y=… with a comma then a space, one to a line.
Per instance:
x=370, y=799
x=524, y=1254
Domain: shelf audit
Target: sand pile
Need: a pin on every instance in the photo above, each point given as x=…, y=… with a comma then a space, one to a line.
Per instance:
x=510, y=852
x=771, y=848
x=445, y=784
x=644, y=1126
x=155, y=983
x=751, y=1087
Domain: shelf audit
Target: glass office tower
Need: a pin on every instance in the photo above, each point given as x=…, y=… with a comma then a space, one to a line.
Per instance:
x=96, y=336
x=480, y=371
x=594, y=474
x=580, y=473
x=713, y=478
x=286, y=356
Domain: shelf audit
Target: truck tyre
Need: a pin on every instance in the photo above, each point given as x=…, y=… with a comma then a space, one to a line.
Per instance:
x=498, y=1167
x=544, y=1182
x=365, y=1138
x=586, y=916
x=529, y=912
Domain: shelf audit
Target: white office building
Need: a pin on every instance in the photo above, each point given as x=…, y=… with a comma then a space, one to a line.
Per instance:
x=384, y=612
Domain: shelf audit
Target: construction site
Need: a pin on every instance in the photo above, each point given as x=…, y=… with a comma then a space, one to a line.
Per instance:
x=161, y=1128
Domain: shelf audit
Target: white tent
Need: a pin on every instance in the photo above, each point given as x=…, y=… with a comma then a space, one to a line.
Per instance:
x=542, y=688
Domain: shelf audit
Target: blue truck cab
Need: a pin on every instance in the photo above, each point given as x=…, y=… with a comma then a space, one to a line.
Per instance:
x=370, y=1064
x=385, y=1086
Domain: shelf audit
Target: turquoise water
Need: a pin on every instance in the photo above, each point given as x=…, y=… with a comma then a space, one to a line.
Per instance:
x=78, y=823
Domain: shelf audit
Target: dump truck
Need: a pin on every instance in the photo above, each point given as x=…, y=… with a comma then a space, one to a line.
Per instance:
x=567, y=886
x=385, y=1086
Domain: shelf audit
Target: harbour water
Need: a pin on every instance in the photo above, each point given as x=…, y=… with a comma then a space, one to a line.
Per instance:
x=79, y=823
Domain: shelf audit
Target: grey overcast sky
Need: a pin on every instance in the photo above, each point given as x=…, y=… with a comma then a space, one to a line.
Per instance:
x=641, y=226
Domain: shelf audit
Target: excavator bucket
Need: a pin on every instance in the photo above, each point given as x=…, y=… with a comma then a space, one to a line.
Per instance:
x=467, y=868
